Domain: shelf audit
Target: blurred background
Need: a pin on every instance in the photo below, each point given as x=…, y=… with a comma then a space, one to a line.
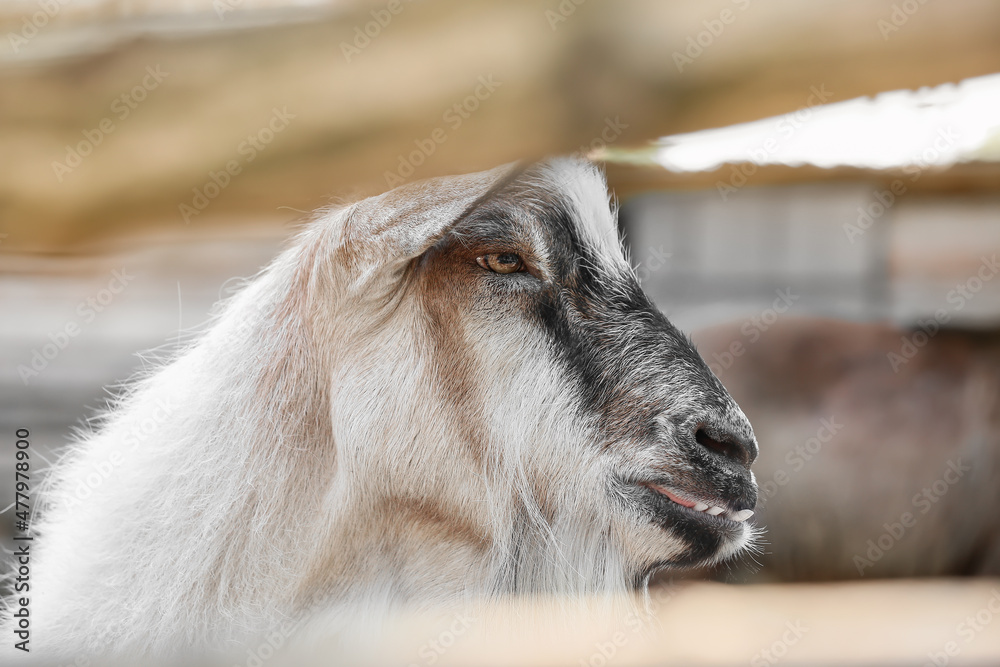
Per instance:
x=811, y=189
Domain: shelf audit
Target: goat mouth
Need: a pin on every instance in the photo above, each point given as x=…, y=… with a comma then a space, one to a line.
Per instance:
x=708, y=509
x=708, y=524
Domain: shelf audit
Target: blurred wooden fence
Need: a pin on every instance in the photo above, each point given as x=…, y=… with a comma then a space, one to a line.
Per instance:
x=257, y=111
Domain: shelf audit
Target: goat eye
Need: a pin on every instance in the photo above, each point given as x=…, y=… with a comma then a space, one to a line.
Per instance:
x=501, y=263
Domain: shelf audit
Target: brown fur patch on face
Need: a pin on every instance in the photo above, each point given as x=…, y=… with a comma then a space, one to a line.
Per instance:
x=446, y=288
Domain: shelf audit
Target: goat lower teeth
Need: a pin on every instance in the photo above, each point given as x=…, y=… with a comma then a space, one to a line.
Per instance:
x=700, y=507
x=715, y=511
x=741, y=516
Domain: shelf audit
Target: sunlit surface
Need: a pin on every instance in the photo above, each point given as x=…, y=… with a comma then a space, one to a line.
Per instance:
x=934, y=126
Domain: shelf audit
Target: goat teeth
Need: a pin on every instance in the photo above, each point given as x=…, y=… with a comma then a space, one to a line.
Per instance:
x=700, y=507
x=741, y=516
x=715, y=511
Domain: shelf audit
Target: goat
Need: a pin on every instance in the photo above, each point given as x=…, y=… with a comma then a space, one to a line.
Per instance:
x=455, y=390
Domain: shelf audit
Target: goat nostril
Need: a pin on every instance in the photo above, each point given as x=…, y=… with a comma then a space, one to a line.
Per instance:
x=731, y=450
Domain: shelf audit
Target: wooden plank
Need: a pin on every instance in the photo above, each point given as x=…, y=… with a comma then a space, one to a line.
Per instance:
x=561, y=85
x=884, y=623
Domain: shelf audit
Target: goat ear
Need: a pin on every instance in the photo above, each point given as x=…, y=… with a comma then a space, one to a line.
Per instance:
x=401, y=224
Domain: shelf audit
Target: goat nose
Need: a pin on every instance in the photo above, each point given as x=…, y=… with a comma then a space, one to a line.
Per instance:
x=739, y=448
